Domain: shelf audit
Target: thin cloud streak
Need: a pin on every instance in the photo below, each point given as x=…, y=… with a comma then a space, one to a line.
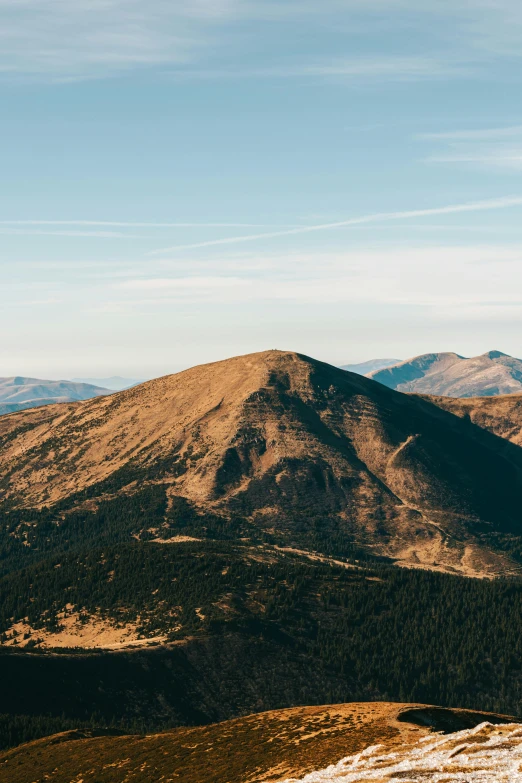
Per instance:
x=499, y=147
x=94, y=234
x=133, y=224
x=476, y=206
x=393, y=68
x=496, y=159
x=477, y=134
x=414, y=277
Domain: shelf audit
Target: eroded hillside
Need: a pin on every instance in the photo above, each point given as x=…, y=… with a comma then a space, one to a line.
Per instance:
x=290, y=445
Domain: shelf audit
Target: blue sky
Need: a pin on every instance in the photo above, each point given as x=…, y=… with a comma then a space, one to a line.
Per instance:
x=183, y=182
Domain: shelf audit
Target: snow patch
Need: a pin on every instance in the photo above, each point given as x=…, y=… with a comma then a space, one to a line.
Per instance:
x=486, y=754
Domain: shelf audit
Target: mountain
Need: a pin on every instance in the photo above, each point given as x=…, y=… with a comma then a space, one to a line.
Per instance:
x=274, y=446
x=114, y=383
x=451, y=375
x=275, y=746
x=223, y=541
x=17, y=393
x=364, y=368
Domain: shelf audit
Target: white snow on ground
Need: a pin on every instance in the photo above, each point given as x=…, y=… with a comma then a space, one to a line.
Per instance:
x=485, y=754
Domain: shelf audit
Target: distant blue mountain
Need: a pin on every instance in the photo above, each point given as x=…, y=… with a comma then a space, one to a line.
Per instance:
x=18, y=393
x=371, y=366
x=115, y=382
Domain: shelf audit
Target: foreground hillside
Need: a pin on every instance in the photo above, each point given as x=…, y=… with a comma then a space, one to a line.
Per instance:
x=262, y=748
x=271, y=447
x=451, y=375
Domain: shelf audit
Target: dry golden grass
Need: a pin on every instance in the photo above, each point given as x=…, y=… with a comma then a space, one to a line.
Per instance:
x=258, y=749
x=274, y=427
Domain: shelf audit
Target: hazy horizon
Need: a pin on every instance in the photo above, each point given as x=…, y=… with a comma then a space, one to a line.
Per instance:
x=142, y=377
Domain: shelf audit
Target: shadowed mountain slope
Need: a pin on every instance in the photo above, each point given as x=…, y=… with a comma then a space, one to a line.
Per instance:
x=500, y=415
x=272, y=746
x=17, y=393
x=288, y=443
x=451, y=375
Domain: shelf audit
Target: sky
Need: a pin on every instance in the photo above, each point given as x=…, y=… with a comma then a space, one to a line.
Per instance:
x=188, y=181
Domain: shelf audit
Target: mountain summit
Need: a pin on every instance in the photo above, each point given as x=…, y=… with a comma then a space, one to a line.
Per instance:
x=300, y=450
x=450, y=375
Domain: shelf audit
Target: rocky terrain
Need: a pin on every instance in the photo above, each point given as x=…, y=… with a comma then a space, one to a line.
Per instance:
x=451, y=375
x=17, y=393
x=347, y=742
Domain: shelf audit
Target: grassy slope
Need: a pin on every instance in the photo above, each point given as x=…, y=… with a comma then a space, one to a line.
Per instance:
x=255, y=749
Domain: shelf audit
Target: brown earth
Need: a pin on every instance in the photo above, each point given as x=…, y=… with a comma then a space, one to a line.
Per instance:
x=283, y=439
x=500, y=415
x=261, y=748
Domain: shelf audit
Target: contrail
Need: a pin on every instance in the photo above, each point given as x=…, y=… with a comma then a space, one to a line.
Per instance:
x=474, y=206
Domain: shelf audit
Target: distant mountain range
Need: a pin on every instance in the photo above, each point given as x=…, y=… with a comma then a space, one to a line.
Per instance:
x=18, y=393
x=364, y=368
x=450, y=375
x=114, y=383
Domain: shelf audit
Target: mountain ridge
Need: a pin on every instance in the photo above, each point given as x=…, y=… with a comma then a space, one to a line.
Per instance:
x=282, y=441
x=19, y=393
x=448, y=374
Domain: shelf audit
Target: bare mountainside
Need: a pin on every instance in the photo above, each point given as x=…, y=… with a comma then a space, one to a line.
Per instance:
x=303, y=743
x=451, y=375
x=499, y=415
x=294, y=446
x=18, y=393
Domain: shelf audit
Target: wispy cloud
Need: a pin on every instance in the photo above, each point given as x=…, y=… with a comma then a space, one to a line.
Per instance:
x=13, y=304
x=355, y=69
x=474, y=134
x=499, y=147
x=66, y=41
x=511, y=160
x=92, y=234
x=475, y=206
x=130, y=224
x=183, y=283
x=417, y=277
